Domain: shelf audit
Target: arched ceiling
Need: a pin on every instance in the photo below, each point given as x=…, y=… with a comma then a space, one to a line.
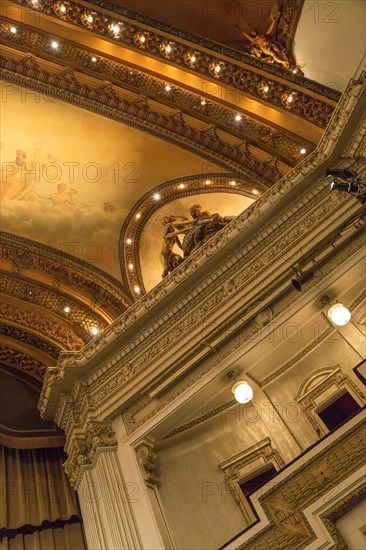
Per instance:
x=101, y=109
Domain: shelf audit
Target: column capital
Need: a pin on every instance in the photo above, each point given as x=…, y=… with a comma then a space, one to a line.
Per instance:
x=84, y=447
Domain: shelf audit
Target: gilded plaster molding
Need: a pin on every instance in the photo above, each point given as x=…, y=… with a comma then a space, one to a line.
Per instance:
x=105, y=100
x=42, y=296
x=103, y=291
x=270, y=138
x=22, y=361
x=308, y=105
x=31, y=339
x=285, y=502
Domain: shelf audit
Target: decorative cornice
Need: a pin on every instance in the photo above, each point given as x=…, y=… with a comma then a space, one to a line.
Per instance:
x=314, y=110
x=31, y=339
x=105, y=100
x=257, y=133
x=102, y=290
x=44, y=297
x=22, y=361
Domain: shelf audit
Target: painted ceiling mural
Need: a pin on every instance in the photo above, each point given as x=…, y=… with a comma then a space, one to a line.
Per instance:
x=70, y=177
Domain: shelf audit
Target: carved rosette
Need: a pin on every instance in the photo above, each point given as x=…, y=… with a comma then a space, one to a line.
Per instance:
x=98, y=435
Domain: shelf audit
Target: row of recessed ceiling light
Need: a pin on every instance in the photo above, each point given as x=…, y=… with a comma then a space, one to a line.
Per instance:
x=289, y=99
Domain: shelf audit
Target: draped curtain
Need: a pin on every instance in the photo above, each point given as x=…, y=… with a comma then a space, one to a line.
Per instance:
x=39, y=508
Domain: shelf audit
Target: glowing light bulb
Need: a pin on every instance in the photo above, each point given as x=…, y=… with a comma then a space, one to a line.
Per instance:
x=89, y=19
x=339, y=314
x=13, y=30
x=95, y=331
x=242, y=391
x=302, y=151
x=181, y=186
x=63, y=9
x=129, y=241
x=238, y=118
x=138, y=216
x=137, y=289
x=193, y=58
x=233, y=183
x=266, y=89
x=208, y=182
x=168, y=88
x=217, y=69
x=168, y=48
x=130, y=266
x=94, y=59
x=66, y=309
x=54, y=44
x=156, y=196
x=142, y=38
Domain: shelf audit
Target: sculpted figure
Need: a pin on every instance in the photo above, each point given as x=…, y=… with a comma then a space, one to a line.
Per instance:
x=168, y=258
x=265, y=45
x=196, y=231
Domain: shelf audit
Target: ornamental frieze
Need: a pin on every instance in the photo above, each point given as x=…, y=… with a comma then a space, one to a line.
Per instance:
x=306, y=105
x=22, y=361
x=104, y=100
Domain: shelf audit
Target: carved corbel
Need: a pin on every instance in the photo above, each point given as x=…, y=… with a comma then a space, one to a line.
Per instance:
x=147, y=460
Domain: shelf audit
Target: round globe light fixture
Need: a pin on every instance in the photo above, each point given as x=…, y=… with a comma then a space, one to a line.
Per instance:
x=242, y=391
x=338, y=314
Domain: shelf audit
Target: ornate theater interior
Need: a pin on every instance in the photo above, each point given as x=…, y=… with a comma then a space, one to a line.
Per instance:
x=183, y=190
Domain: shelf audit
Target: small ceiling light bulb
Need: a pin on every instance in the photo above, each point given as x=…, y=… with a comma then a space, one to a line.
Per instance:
x=233, y=183
x=35, y=3
x=217, y=68
x=168, y=88
x=168, y=48
x=266, y=88
x=95, y=331
x=302, y=151
x=136, y=289
x=129, y=241
x=116, y=29
x=290, y=99
x=295, y=70
x=208, y=182
x=89, y=19
x=130, y=266
x=203, y=102
x=54, y=44
x=94, y=59
x=67, y=309
x=62, y=8
x=13, y=30
x=181, y=186
x=156, y=196
x=338, y=314
x=138, y=216
x=242, y=391
x=238, y=118
x=193, y=58
x=142, y=38
x=255, y=191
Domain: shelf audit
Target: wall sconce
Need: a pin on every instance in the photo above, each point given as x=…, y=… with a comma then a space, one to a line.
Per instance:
x=337, y=313
x=242, y=391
